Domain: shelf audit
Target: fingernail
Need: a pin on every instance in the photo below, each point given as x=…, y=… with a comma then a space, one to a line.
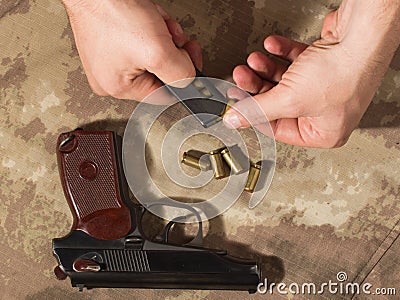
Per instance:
x=232, y=121
x=179, y=29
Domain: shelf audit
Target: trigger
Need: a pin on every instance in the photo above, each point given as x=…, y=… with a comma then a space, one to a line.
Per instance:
x=196, y=241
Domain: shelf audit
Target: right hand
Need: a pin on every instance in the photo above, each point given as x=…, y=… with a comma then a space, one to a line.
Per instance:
x=320, y=98
x=127, y=47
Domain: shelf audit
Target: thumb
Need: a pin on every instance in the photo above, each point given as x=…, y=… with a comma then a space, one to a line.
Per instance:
x=329, y=28
x=171, y=64
x=277, y=103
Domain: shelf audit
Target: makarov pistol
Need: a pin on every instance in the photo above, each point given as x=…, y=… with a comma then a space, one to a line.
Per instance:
x=107, y=248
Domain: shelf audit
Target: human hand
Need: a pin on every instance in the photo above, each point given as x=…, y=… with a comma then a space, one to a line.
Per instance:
x=320, y=98
x=127, y=46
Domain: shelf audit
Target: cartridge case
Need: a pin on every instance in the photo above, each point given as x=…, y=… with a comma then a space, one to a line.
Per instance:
x=231, y=161
x=252, y=179
x=205, y=91
x=217, y=164
x=198, y=84
x=228, y=105
x=201, y=88
x=196, y=159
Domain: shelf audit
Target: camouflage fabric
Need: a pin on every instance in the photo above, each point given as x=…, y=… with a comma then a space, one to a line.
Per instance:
x=327, y=210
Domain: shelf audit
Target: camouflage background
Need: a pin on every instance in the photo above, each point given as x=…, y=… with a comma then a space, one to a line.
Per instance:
x=327, y=210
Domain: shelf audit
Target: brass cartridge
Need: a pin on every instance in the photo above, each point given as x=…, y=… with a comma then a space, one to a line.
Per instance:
x=198, y=84
x=206, y=92
x=217, y=164
x=202, y=88
x=254, y=174
x=228, y=105
x=196, y=159
x=231, y=161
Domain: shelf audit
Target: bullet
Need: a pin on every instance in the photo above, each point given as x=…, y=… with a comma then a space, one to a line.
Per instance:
x=228, y=105
x=201, y=88
x=196, y=159
x=198, y=84
x=254, y=174
x=231, y=161
x=206, y=92
x=218, y=165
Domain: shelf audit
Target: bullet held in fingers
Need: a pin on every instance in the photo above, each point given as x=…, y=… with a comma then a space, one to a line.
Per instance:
x=228, y=105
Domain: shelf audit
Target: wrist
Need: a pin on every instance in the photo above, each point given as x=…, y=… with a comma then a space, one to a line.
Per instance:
x=76, y=5
x=365, y=33
x=372, y=38
x=373, y=24
x=71, y=3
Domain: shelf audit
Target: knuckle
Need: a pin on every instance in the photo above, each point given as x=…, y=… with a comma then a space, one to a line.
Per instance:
x=99, y=93
x=336, y=141
x=117, y=86
x=340, y=142
x=114, y=91
x=96, y=90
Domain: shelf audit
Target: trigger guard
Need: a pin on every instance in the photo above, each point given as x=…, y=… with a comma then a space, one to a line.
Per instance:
x=197, y=240
x=165, y=233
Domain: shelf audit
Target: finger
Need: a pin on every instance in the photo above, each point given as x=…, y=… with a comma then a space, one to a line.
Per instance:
x=176, y=31
x=143, y=85
x=139, y=88
x=266, y=87
x=162, y=12
x=287, y=131
x=246, y=79
x=265, y=67
x=181, y=40
x=249, y=81
x=267, y=129
x=94, y=85
x=169, y=63
x=147, y=88
x=133, y=87
x=194, y=50
x=278, y=103
x=329, y=29
x=292, y=131
x=300, y=132
x=284, y=48
x=236, y=93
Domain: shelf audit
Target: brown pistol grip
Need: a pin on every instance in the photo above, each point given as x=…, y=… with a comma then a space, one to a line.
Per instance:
x=87, y=162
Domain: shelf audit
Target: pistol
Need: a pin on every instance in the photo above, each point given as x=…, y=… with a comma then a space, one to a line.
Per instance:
x=107, y=247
